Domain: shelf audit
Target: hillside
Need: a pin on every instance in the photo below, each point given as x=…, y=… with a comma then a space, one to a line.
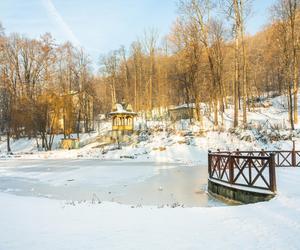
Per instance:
x=268, y=128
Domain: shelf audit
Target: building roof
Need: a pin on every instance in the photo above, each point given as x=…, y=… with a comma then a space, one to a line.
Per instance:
x=184, y=106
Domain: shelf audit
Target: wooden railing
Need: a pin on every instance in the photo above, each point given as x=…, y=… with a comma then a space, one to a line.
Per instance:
x=247, y=169
x=282, y=158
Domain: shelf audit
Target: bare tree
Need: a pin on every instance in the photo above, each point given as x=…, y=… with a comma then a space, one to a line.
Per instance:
x=110, y=66
x=150, y=40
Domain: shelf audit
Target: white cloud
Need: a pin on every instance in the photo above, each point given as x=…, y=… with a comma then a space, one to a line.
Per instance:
x=54, y=14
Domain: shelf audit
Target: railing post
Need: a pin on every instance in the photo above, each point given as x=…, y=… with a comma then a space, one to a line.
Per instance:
x=263, y=153
x=219, y=165
x=294, y=155
x=218, y=162
x=231, y=169
x=209, y=163
x=238, y=154
x=272, y=174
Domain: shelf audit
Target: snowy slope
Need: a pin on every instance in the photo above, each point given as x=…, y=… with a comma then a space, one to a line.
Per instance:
x=268, y=129
x=38, y=223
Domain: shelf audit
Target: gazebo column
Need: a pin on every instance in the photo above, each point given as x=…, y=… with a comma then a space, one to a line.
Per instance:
x=129, y=121
x=132, y=123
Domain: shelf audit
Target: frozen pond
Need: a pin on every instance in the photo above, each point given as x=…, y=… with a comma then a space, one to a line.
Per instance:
x=126, y=182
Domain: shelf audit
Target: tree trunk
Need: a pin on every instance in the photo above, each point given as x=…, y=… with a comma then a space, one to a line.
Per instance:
x=8, y=142
x=135, y=89
x=290, y=102
x=295, y=85
x=244, y=79
x=236, y=5
x=216, y=123
x=293, y=9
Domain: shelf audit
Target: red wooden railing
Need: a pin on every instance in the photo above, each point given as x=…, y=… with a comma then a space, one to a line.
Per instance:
x=282, y=158
x=255, y=169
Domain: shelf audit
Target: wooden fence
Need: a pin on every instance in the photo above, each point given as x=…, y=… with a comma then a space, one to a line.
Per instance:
x=243, y=169
x=255, y=169
x=282, y=158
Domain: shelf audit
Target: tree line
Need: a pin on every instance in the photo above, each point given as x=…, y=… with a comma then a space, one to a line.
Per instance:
x=38, y=79
x=209, y=58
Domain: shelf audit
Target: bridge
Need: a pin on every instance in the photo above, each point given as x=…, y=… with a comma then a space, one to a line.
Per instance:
x=247, y=176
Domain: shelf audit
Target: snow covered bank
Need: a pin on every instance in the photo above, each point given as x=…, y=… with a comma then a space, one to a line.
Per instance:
x=268, y=129
x=161, y=147
x=38, y=223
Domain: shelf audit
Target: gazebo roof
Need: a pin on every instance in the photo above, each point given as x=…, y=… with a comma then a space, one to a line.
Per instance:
x=122, y=109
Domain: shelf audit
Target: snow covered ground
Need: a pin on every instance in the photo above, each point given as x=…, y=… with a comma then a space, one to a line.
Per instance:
x=40, y=223
x=47, y=199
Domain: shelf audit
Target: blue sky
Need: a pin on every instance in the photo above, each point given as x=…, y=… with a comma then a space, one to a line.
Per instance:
x=101, y=25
